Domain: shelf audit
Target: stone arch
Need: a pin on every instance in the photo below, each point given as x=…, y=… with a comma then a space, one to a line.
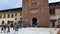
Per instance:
x=34, y=22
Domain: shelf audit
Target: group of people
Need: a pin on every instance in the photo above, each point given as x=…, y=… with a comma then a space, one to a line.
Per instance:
x=4, y=26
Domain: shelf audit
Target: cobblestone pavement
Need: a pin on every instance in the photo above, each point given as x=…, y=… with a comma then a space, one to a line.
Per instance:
x=33, y=31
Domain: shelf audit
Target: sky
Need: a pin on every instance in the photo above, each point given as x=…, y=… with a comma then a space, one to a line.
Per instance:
x=8, y=4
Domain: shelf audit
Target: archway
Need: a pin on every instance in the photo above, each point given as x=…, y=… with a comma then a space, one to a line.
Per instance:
x=34, y=22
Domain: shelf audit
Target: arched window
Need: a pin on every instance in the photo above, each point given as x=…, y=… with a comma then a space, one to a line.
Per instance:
x=8, y=22
x=2, y=22
x=8, y=15
x=12, y=15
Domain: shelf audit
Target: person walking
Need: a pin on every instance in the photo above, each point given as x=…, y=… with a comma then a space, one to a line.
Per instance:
x=16, y=28
x=8, y=26
x=5, y=27
x=2, y=26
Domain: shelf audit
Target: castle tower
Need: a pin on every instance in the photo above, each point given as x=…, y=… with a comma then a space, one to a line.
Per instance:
x=35, y=13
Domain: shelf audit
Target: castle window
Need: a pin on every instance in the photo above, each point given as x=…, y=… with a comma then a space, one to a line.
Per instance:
x=8, y=15
x=20, y=13
x=15, y=14
x=52, y=12
x=4, y=16
x=20, y=18
x=0, y=16
x=8, y=22
x=15, y=18
x=34, y=4
x=2, y=22
x=58, y=4
x=12, y=15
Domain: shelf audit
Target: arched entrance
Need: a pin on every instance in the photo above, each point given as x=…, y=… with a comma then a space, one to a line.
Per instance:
x=34, y=22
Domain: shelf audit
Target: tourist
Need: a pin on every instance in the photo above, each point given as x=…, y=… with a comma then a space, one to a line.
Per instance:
x=2, y=26
x=5, y=27
x=8, y=26
x=16, y=28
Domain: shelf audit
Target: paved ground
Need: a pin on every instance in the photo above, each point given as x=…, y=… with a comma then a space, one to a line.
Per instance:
x=34, y=31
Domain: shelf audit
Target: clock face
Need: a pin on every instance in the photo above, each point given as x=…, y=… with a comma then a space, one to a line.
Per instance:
x=34, y=4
